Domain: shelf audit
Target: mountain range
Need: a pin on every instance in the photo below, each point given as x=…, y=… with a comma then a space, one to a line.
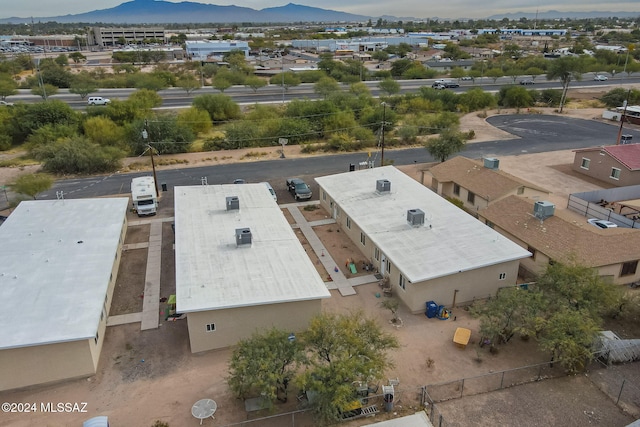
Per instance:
x=163, y=12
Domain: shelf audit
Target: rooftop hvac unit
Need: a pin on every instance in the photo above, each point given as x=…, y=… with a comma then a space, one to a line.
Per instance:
x=491, y=163
x=415, y=217
x=383, y=186
x=243, y=236
x=233, y=203
x=543, y=210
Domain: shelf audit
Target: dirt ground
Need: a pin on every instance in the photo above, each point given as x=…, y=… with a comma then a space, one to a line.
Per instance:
x=145, y=376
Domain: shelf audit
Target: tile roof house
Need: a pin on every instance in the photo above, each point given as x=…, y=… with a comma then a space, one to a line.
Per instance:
x=617, y=165
x=478, y=184
x=613, y=251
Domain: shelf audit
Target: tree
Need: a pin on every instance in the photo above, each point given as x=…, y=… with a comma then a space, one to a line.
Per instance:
x=264, y=364
x=255, y=83
x=77, y=57
x=326, y=86
x=565, y=69
x=287, y=80
x=104, y=132
x=32, y=184
x=83, y=84
x=494, y=73
x=457, y=73
x=145, y=99
x=197, y=120
x=8, y=87
x=151, y=82
x=220, y=107
x=449, y=142
x=389, y=86
x=342, y=348
x=380, y=55
x=188, y=83
x=220, y=83
x=44, y=90
x=516, y=97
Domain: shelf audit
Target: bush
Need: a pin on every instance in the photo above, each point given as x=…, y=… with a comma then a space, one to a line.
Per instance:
x=77, y=156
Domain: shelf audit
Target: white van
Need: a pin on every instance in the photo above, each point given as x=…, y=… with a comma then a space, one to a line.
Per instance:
x=98, y=100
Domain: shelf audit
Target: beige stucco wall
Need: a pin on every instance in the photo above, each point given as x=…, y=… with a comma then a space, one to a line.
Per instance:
x=234, y=324
x=470, y=285
x=600, y=168
x=25, y=366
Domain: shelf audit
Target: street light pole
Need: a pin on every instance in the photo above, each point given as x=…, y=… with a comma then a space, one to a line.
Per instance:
x=282, y=63
x=145, y=135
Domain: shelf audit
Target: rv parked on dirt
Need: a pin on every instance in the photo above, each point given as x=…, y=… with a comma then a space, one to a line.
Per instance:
x=143, y=195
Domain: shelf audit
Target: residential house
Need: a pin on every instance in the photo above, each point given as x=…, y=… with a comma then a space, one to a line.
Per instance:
x=552, y=237
x=239, y=266
x=429, y=249
x=59, y=261
x=617, y=165
x=478, y=184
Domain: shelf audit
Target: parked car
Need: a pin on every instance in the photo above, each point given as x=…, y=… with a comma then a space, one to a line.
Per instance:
x=298, y=188
x=239, y=181
x=526, y=82
x=6, y=104
x=601, y=78
x=98, y=100
x=602, y=223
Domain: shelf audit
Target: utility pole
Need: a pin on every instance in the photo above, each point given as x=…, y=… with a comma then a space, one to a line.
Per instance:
x=624, y=112
x=145, y=135
x=384, y=119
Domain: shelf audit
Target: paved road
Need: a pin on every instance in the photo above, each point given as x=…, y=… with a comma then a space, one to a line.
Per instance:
x=532, y=134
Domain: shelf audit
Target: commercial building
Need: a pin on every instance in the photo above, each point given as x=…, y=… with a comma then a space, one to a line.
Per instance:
x=429, y=248
x=111, y=36
x=201, y=50
x=239, y=266
x=58, y=266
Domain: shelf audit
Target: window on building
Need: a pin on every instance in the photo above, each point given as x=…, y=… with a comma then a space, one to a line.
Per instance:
x=363, y=239
x=402, y=282
x=348, y=222
x=490, y=224
x=388, y=267
x=615, y=173
x=324, y=195
x=629, y=268
x=97, y=337
x=502, y=276
x=521, y=189
x=456, y=189
x=471, y=198
x=376, y=254
x=585, y=163
x=211, y=327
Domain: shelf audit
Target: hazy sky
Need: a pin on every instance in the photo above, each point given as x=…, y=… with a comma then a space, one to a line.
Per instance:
x=399, y=8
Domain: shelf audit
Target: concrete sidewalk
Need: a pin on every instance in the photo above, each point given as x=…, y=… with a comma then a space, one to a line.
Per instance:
x=339, y=281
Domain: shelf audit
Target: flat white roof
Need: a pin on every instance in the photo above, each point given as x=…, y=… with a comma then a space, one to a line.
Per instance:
x=212, y=272
x=450, y=241
x=56, y=260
